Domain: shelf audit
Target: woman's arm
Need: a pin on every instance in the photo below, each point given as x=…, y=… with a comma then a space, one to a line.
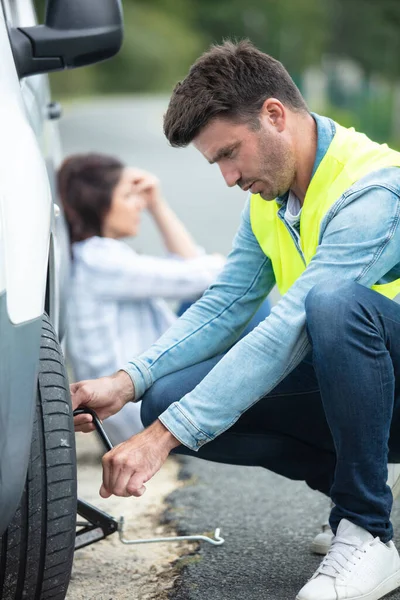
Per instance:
x=114, y=271
x=176, y=237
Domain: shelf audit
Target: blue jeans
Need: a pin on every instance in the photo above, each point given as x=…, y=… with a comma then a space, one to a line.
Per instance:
x=334, y=422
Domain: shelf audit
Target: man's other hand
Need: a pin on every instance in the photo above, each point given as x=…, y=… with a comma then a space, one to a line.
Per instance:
x=128, y=466
x=106, y=396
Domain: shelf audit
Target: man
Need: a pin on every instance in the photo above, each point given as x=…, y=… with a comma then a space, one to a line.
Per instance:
x=312, y=393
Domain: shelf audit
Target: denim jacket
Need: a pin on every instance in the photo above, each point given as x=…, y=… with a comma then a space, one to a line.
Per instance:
x=359, y=241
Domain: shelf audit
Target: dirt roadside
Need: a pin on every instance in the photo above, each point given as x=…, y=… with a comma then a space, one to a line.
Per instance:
x=110, y=570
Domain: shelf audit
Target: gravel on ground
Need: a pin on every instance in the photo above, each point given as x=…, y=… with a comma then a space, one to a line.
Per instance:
x=110, y=570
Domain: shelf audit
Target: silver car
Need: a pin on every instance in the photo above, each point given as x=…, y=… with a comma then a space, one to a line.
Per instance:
x=37, y=451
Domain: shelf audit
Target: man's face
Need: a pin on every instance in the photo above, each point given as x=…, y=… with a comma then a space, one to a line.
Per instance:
x=260, y=160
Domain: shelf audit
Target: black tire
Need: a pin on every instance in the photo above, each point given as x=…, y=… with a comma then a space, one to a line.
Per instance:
x=37, y=549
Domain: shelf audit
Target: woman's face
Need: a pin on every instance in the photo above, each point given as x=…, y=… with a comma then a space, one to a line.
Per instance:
x=123, y=218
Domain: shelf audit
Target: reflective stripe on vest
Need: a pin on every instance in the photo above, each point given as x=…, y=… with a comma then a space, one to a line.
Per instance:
x=350, y=156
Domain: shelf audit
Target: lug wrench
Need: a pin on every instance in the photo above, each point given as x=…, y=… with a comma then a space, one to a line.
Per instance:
x=102, y=524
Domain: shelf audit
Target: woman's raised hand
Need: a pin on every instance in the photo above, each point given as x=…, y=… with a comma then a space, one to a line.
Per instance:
x=147, y=186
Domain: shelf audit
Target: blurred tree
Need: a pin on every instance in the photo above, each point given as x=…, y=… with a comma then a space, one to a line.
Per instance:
x=163, y=38
x=367, y=31
x=40, y=6
x=158, y=48
x=295, y=33
x=160, y=43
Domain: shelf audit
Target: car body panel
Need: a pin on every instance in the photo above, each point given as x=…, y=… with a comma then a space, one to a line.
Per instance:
x=34, y=245
x=26, y=218
x=18, y=380
x=25, y=198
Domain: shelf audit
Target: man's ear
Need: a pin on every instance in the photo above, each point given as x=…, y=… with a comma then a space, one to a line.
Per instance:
x=274, y=112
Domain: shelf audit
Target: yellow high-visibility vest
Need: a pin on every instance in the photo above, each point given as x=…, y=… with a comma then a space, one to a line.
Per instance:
x=350, y=156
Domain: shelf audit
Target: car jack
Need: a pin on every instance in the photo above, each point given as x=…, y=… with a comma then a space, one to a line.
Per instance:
x=98, y=525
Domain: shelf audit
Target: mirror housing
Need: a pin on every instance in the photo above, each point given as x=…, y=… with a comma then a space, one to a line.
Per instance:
x=76, y=33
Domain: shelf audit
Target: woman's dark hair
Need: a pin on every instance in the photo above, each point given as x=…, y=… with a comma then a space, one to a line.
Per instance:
x=231, y=81
x=85, y=184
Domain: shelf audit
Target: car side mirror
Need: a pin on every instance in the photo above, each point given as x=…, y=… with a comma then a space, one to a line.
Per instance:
x=76, y=33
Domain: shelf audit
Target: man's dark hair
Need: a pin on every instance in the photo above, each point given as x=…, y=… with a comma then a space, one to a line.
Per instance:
x=230, y=81
x=86, y=183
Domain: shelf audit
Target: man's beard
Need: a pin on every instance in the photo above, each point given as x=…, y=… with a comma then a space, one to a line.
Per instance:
x=281, y=164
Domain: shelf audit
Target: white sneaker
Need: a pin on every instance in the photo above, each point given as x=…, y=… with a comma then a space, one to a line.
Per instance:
x=322, y=541
x=357, y=567
x=394, y=479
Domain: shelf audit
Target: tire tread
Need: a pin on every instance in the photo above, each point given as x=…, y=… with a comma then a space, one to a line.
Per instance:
x=36, y=551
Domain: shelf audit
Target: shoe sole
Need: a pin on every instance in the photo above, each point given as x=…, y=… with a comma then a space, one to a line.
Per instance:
x=389, y=585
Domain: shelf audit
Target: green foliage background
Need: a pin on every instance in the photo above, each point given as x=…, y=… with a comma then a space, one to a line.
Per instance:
x=163, y=38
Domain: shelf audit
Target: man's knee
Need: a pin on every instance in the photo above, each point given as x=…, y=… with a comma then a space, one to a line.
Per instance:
x=155, y=401
x=325, y=298
x=330, y=307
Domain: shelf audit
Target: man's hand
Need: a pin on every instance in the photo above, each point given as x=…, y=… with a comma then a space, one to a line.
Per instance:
x=106, y=396
x=128, y=466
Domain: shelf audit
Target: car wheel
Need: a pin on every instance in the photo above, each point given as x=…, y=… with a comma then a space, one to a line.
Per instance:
x=37, y=549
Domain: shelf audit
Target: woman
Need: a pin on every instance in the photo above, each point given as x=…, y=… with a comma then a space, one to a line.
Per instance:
x=117, y=305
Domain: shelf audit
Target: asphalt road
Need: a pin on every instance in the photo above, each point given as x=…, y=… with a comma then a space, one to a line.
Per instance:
x=267, y=521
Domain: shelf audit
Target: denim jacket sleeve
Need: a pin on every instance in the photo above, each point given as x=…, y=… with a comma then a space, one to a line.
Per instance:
x=216, y=320
x=359, y=241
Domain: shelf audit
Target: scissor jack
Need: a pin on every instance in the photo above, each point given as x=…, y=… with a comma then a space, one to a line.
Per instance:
x=98, y=525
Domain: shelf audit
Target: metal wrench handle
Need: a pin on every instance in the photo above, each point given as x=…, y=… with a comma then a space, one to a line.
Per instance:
x=98, y=424
x=107, y=443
